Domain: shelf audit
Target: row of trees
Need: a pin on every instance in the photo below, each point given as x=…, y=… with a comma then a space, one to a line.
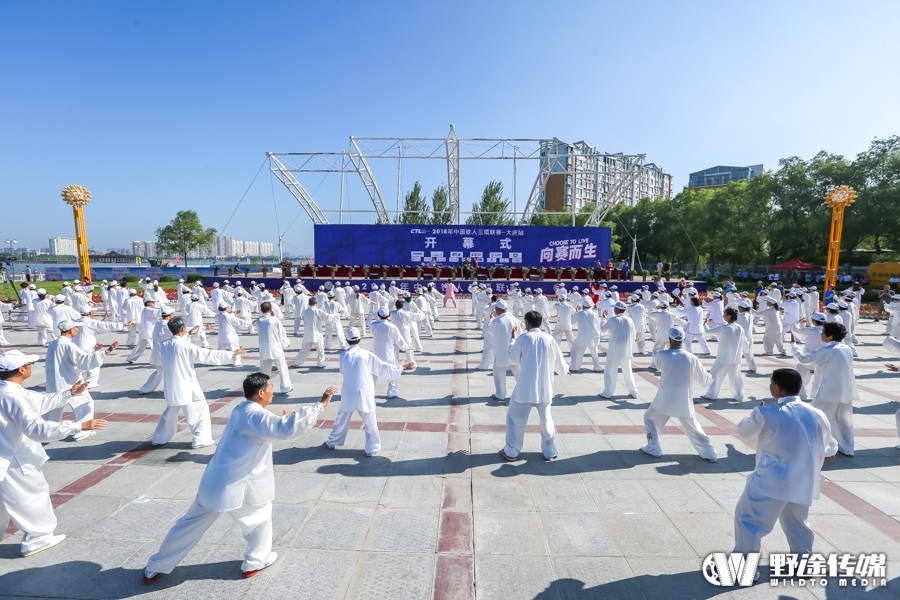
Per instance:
x=776, y=216
x=492, y=209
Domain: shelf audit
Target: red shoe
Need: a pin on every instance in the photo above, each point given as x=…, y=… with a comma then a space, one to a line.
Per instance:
x=272, y=558
x=149, y=577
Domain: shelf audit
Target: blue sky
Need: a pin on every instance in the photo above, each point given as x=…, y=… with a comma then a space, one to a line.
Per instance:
x=161, y=106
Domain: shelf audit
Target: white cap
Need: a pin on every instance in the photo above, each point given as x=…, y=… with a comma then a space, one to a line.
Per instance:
x=355, y=288
x=223, y=305
x=298, y=288
x=817, y=316
x=771, y=300
x=181, y=281
x=14, y=359
x=86, y=310
x=32, y=287
x=330, y=294
x=215, y=284
x=832, y=306
x=745, y=304
x=538, y=291
x=500, y=304
x=620, y=305
x=166, y=311
x=132, y=292
x=587, y=302
x=321, y=288
x=676, y=333
x=353, y=334
x=842, y=304
x=59, y=298
x=42, y=291
x=574, y=288
x=383, y=313
x=613, y=287
x=393, y=283
x=65, y=325
x=194, y=297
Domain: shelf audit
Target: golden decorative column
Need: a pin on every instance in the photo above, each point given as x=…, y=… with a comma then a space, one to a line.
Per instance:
x=838, y=199
x=77, y=196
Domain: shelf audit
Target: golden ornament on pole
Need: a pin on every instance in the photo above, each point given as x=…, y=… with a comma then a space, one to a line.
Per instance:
x=838, y=199
x=77, y=196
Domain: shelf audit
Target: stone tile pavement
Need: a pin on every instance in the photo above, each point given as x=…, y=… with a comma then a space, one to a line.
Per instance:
x=436, y=514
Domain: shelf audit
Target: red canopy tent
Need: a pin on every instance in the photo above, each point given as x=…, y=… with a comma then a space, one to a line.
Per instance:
x=795, y=264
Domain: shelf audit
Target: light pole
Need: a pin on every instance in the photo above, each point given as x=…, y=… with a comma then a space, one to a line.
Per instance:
x=11, y=244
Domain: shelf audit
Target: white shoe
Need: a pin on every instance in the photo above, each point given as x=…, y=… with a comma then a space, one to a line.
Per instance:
x=83, y=435
x=648, y=450
x=269, y=562
x=712, y=460
x=197, y=447
x=54, y=540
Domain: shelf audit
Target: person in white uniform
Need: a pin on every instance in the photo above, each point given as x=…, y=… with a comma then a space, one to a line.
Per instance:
x=745, y=320
x=808, y=339
x=728, y=357
x=500, y=332
x=638, y=315
x=386, y=341
x=538, y=357
x=662, y=320
x=43, y=321
x=66, y=365
x=149, y=317
x=239, y=480
x=182, y=390
x=692, y=313
x=793, y=439
x=313, y=320
x=161, y=333
x=86, y=338
x=273, y=341
x=359, y=369
x=134, y=306
x=194, y=320
x=588, y=323
x=229, y=324
x=564, y=313
x=618, y=354
x=24, y=492
x=675, y=398
x=834, y=389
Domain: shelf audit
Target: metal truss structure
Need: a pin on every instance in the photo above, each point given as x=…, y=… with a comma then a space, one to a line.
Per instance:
x=610, y=185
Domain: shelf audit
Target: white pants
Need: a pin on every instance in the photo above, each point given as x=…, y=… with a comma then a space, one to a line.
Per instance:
x=196, y=414
x=487, y=357
x=773, y=340
x=132, y=334
x=577, y=355
x=516, y=420
x=719, y=371
x=610, y=371
x=500, y=379
x=640, y=340
x=306, y=348
x=43, y=335
x=654, y=421
x=201, y=333
x=359, y=320
x=25, y=499
x=840, y=417
x=266, y=365
x=755, y=516
x=658, y=346
x=256, y=527
x=143, y=344
x=559, y=334
x=338, y=434
x=414, y=340
x=231, y=347
x=689, y=340
x=751, y=360
x=152, y=382
x=56, y=414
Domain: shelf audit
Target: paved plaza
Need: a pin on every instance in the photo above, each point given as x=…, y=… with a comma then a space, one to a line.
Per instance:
x=437, y=513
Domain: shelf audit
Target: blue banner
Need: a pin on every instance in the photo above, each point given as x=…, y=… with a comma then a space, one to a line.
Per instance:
x=450, y=245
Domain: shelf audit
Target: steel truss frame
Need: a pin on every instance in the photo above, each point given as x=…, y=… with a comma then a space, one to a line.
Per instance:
x=362, y=150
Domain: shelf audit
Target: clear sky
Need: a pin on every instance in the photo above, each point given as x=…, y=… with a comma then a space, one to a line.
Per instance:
x=161, y=106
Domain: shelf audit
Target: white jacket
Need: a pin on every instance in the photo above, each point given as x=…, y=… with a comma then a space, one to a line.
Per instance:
x=499, y=335
x=386, y=340
x=621, y=336
x=833, y=364
x=273, y=339
x=679, y=370
x=731, y=343
x=792, y=440
x=359, y=368
x=178, y=356
x=240, y=472
x=66, y=362
x=538, y=357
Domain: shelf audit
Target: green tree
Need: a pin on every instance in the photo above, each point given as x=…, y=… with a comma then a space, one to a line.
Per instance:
x=415, y=207
x=183, y=234
x=440, y=207
x=493, y=209
x=875, y=175
x=563, y=219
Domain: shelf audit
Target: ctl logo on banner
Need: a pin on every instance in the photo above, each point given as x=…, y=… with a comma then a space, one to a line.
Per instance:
x=720, y=568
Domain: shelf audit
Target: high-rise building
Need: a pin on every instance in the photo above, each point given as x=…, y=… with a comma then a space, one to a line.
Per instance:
x=582, y=174
x=224, y=245
x=63, y=246
x=720, y=176
x=137, y=248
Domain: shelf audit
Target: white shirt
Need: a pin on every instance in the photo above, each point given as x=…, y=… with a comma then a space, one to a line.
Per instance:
x=228, y=325
x=273, y=339
x=792, y=440
x=621, y=335
x=538, y=357
x=161, y=333
x=386, y=340
x=66, y=362
x=694, y=317
x=731, y=343
x=195, y=313
x=149, y=317
x=679, y=370
x=499, y=335
x=833, y=364
x=240, y=472
x=359, y=368
x=22, y=429
x=313, y=319
x=588, y=323
x=178, y=356
x=85, y=338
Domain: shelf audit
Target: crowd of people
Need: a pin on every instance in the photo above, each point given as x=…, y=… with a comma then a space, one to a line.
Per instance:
x=526, y=334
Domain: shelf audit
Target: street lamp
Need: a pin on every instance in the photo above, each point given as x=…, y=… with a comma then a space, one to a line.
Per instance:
x=11, y=244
